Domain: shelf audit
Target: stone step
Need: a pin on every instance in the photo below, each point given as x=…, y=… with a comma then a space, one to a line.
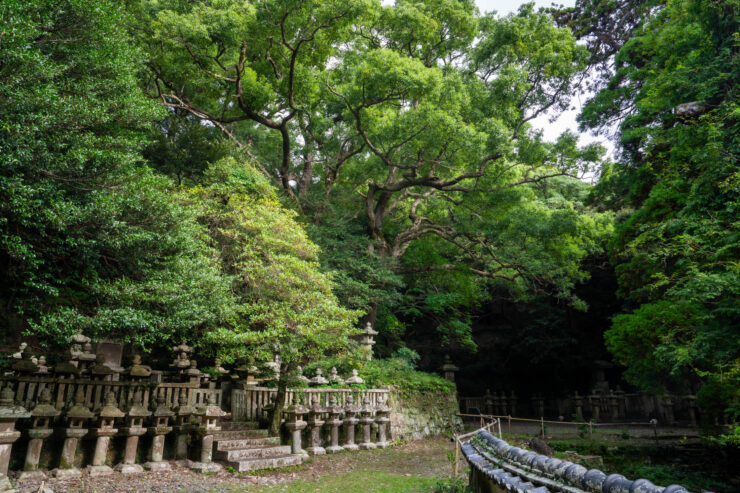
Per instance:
x=264, y=463
x=253, y=453
x=239, y=434
x=243, y=443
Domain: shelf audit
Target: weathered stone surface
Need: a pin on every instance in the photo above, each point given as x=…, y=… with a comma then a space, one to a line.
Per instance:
x=255, y=464
x=540, y=446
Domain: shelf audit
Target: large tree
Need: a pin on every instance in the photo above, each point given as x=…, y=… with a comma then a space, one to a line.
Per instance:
x=411, y=119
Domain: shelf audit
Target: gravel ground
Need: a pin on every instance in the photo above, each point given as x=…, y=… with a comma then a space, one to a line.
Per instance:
x=425, y=458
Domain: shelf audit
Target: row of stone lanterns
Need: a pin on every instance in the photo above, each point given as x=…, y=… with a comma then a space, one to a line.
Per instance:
x=335, y=416
x=78, y=415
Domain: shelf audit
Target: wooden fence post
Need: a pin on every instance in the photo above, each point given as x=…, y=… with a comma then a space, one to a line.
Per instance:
x=457, y=455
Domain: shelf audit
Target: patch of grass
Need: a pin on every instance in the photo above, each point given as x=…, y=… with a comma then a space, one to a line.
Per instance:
x=365, y=481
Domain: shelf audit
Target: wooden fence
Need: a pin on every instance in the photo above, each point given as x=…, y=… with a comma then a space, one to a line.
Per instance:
x=248, y=405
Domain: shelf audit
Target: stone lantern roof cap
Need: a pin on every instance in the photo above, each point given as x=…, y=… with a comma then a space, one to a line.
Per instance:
x=350, y=406
x=382, y=407
x=211, y=410
x=366, y=407
x=193, y=371
x=100, y=368
x=448, y=366
x=43, y=408
x=137, y=369
x=369, y=331
x=333, y=407
x=137, y=410
x=79, y=410
x=79, y=339
x=183, y=348
x=8, y=408
x=25, y=364
x=183, y=407
x=354, y=379
x=162, y=410
x=110, y=409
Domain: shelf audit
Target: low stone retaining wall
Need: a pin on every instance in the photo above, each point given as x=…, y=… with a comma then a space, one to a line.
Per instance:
x=419, y=414
x=496, y=466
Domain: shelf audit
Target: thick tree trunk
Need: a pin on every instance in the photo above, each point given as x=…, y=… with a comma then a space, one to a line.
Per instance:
x=277, y=412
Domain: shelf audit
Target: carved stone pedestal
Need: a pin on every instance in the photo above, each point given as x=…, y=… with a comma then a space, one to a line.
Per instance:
x=129, y=465
x=66, y=469
x=315, y=422
x=295, y=425
x=366, y=421
x=334, y=422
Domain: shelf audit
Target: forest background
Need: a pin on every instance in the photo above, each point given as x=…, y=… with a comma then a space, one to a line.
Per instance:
x=262, y=177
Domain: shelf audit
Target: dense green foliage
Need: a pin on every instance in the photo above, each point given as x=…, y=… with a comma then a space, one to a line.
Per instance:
x=90, y=238
x=405, y=143
x=676, y=251
x=253, y=176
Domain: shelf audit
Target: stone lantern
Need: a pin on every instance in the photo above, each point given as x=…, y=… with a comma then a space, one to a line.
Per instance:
x=25, y=365
x=22, y=347
x=301, y=378
x=87, y=358
x=449, y=369
x=183, y=412
x=76, y=417
x=512, y=403
x=367, y=341
x=295, y=425
x=382, y=418
x=9, y=413
x=43, y=369
x=99, y=371
x=65, y=369
x=613, y=405
x=160, y=420
x=578, y=403
x=138, y=372
x=182, y=359
x=41, y=429
x=315, y=413
x=366, y=420
x=488, y=402
x=595, y=401
x=318, y=379
x=350, y=420
x=133, y=430
x=334, y=378
x=107, y=416
x=193, y=374
x=208, y=417
x=335, y=421
x=354, y=379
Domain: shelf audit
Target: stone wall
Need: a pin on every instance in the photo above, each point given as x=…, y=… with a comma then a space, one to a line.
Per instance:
x=417, y=414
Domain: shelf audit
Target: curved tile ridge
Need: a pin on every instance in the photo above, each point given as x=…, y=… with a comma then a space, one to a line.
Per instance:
x=517, y=470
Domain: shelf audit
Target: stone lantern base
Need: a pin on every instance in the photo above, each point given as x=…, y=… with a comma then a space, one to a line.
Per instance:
x=129, y=468
x=157, y=466
x=206, y=467
x=96, y=471
x=63, y=474
x=31, y=477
